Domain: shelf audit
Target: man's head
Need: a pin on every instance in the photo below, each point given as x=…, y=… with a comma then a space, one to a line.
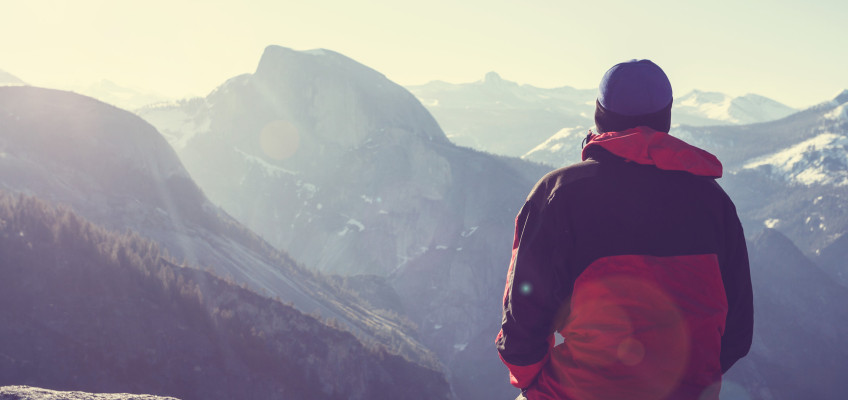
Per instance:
x=631, y=94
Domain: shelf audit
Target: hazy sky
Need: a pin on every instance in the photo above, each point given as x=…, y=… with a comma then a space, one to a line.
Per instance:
x=791, y=51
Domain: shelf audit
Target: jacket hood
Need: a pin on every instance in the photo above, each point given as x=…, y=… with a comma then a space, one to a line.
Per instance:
x=647, y=146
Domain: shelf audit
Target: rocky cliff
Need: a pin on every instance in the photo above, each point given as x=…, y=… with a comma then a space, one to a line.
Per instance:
x=33, y=393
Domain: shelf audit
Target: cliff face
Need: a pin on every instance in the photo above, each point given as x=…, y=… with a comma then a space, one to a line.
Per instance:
x=84, y=308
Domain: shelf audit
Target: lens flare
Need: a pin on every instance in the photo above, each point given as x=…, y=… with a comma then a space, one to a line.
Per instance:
x=629, y=330
x=279, y=139
x=631, y=351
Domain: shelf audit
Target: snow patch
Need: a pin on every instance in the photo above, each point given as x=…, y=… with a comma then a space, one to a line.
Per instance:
x=351, y=223
x=468, y=232
x=710, y=104
x=268, y=168
x=357, y=224
x=771, y=222
x=460, y=346
x=306, y=190
x=561, y=148
x=811, y=161
x=838, y=114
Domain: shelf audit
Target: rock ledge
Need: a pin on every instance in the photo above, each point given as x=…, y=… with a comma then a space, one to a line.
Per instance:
x=33, y=393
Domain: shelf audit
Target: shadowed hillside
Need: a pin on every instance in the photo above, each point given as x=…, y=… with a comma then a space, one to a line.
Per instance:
x=83, y=308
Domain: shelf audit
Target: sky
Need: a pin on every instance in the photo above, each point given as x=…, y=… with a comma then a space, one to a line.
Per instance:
x=790, y=51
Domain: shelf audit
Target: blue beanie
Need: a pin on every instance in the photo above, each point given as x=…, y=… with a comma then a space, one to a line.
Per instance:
x=631, y=94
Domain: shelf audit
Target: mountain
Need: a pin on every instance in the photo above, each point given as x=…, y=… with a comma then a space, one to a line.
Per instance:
x=346, y=170
x=85, y=308
x=800, y=325
x=9, y=79
x=116, y=170
x=503, y=117
x=700, y=108
x=120, y=96
x=561, y=149
x=832, y=259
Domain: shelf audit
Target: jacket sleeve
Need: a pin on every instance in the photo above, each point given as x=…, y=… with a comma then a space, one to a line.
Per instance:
x=529, y=302
x=736, y=276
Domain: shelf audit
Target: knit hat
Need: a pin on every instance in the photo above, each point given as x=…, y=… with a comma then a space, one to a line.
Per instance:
x=633, y=93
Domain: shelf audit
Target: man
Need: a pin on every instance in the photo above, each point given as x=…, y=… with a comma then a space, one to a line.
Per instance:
x=635, y=256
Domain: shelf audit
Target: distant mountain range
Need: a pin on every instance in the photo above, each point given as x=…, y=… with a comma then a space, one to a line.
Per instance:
x=120, y=96
x=104, y=90
x=503, y=117
x=700, y=108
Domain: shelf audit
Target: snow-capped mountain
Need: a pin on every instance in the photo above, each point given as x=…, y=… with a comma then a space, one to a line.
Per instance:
x=346, y=170
x=821, y=159
x=712, y=108
x=561, y=149
x=116, y=170
x=503, y=117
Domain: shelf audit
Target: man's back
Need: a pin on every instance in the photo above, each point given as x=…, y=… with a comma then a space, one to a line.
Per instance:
x=642, y=253
x=637, y=258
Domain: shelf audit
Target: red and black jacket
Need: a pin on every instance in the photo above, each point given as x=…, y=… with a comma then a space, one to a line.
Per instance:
x=637, y=258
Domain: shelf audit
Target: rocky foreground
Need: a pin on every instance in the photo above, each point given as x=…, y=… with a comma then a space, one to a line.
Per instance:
x=33, y=393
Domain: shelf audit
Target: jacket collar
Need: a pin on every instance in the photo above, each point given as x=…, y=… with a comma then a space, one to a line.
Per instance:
x=644, y=145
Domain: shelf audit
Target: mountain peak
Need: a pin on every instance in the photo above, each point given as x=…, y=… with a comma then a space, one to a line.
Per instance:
x=842, y=98
x=275, y=57
x=322, y=87
x=492, y=77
